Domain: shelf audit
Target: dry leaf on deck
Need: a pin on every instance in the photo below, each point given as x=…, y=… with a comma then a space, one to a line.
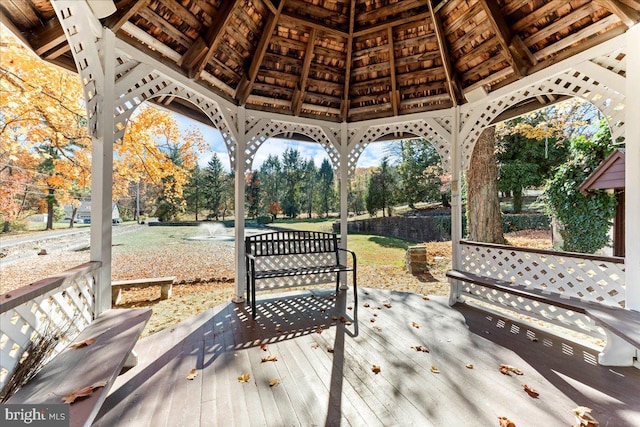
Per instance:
x=424, y=297
x=531, y=392
x=372, y=320
x=319, y=331
x=257, y=342
x=375, y=369
x=82, y=392
x=377, y=328
x=274, y=382
x=506, y=422
x=271, y=358
x=583, y=416
x=83, y=343
x=387, y=304
x=415, y=325
x=263, y=347
x=315, y=345
x=343, y=319
x=350, y=308
x=334, y=318
x=244, y=378
x=422, y=348
x=505, y=369
x=434, y=369
x=366, y=305
x=469, y=366
x=192, y=374
x=278, y=329
x=330, y=349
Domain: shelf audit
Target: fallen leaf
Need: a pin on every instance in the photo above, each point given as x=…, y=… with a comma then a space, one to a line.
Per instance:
x=375, y=314
x=372, y=320
x=434, y=369
x=583, y=416
x=377, y=328
x=422, y=348
x=271, y=358
x=424, y=297
x=83, y=343
x=334, y=318
x=387, y=304
x=274, y=382
x=278, y=329
x=82, y=392
x=263, y=347
x=343, y=319
x=415, y=325
x=532, y=339
x=350, y=308
x=506, y=369
x=375, y=369
x=244, y=378
x=469, y=366
x=506, y=422
x=319, y=331
x=257, y=342
x=192, y=374
x=348, y=323
x=531, y=392
x=330, y=349
x=315, y=345
x=366, y=305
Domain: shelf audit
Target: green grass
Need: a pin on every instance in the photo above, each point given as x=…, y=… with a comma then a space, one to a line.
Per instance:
x=312, y=224
x=378, y=250
x=148, y=237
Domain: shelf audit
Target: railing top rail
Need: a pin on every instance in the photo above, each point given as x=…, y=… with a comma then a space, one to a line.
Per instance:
x=614, y=260
x=26, y=293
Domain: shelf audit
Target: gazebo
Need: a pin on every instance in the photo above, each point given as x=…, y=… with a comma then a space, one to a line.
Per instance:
x=344, y=74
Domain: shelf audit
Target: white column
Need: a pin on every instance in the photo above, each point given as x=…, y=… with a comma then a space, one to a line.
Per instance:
x=632, y=171
x=239, y=207
x=456, y=203
x=344, y=196
x=102, y=176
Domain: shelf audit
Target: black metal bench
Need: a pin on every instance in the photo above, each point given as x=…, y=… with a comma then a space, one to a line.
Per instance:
x=115, y=332
x=617, y=322
x=292, y=255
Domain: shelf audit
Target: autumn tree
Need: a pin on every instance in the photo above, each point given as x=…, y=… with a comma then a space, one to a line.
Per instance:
x=42, y=132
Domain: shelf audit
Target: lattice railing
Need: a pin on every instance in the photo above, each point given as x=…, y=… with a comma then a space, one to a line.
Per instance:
x=590, y=278
x=65, y=302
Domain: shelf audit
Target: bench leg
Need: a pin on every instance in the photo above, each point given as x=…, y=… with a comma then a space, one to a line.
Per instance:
x=132, y=360
x=617, y=352
x=116, y=296
x=454, y=292
x=165, y=291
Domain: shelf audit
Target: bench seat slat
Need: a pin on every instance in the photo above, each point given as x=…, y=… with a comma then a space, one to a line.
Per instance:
x=297, y=271
x=116, y=332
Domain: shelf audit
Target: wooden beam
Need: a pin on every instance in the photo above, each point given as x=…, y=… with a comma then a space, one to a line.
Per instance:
x=503, y=33
x=626, y=14
x=49, y=37
x=298, y=94
x=196, y=57
x=394, y=23
x=453, y=86
x=392, y=66
x=244, y=87
x=313, y=24
x=272, y=7
x=123, y=14
x=344, y=108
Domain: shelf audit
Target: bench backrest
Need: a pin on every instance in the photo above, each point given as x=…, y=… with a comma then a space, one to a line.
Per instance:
x=291, y=243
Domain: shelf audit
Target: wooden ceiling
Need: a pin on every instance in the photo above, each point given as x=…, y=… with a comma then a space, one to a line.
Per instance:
x=344, y=59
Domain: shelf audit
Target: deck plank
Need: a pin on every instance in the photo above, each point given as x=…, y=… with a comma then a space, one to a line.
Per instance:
x=322, y=388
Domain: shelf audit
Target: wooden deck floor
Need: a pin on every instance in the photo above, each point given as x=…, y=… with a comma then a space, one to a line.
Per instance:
x=318, y=387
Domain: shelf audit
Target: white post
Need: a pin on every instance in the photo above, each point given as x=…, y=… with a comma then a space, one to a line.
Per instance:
x=102, y=176
x=456, y=203
x=344, y=197
x=239, y=207
x=632, y=171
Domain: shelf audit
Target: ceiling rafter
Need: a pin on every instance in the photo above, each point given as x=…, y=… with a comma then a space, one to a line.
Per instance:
x=48, y=38
x=246, y=84
x=298, y=94
x=118, y=19
x=627, y=15
x=201, y=51
x=453, y=86
x=395, y=101
x=344, y=108
x=514, y=53
x=314, y=24
x=393, y=23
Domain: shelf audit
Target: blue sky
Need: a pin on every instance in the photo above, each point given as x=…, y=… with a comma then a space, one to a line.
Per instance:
x=371, y=156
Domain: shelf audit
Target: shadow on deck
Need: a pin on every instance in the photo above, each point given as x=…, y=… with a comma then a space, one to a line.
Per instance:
x=338, y=387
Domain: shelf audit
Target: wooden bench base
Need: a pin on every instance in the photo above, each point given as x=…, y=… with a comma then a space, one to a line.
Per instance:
x=115, y=332
x=165, y=283
x=621, y=326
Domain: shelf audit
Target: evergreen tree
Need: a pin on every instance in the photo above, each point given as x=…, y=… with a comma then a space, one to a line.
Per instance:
x=214, y=181
x=309, y=186
x=253, y=194
x=292, y=166
x=419, y=171
x=326, y=190
x=382, y=188
x=194, y=192
x=271, y=184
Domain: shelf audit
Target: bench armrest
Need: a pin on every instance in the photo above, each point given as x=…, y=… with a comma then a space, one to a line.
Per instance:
x=353, y=255
x=250, y=256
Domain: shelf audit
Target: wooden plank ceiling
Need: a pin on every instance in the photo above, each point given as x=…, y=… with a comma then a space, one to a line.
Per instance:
x=344, y=59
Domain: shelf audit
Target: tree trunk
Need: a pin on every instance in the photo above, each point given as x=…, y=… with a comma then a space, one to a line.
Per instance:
x=483, y=205
x=50, y=201
x=517, y=201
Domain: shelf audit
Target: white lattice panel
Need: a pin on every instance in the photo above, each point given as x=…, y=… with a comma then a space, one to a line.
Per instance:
x=288, y=261
x=574, y=82
x=69, y=306
x=266, y=128
x=431, y=130
x=615, y=62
